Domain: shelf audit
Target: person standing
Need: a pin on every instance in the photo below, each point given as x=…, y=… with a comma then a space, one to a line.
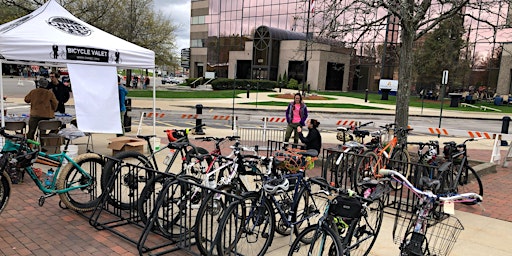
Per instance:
x=122, y=97
x=61, y=91
x=314, y=140
x=146, y=83
x=43, y=104
x=296, y=115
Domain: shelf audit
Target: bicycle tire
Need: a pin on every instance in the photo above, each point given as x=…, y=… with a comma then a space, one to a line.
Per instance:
x=305, y=209
x=87, y=198
x=126, y=187
x=399, y=162
x=330, y=164
x=467, y=182
x=319, y=239
x=169, y=220
x=364, y=169
x=346, y=169
x=367, y=230
x=5, y=190
x=243, y=221
x=198, y=166
x=209, y=215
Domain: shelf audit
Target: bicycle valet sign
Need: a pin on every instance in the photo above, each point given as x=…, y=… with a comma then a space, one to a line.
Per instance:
x=74, y=52
x=86, y=54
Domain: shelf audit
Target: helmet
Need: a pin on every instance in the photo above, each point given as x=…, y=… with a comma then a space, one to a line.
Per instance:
x=173, y=135
x=277, y=185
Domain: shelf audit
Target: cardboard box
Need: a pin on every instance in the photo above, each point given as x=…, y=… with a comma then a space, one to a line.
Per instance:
x=124, y=143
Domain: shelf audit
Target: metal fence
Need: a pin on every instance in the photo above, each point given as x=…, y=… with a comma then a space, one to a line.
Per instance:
x=252, y=136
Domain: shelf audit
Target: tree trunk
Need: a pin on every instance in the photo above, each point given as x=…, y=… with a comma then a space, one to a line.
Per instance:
x=404, y=78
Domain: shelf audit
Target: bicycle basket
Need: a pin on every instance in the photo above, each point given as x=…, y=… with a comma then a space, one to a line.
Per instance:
x=293, y=161
x=442, y=232
x=344, y=136
x=26, y=159
x=344, y=206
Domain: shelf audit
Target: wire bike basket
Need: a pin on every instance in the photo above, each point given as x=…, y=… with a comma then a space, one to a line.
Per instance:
x=441, y=234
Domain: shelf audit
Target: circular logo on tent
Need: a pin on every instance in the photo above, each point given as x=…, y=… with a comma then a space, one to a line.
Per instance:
x=69, y=26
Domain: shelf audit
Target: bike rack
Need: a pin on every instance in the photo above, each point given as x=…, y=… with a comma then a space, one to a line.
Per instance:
x=127, y=223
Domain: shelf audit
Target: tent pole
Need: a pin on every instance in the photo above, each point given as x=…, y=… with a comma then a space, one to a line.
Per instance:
x=2, y=94
x=154, y=100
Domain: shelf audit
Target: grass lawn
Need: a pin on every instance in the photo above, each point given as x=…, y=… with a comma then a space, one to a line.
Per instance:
x=313, y=105
x=415, y=101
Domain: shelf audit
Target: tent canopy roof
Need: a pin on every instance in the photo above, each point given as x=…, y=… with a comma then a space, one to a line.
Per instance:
x=52, y=36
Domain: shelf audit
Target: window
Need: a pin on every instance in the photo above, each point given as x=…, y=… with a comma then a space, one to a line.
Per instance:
x=197, y=20
x=196, y=43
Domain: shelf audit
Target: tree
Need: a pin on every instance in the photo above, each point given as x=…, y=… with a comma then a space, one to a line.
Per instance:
x=362, y=20
x=132, y=20
x=442, y=49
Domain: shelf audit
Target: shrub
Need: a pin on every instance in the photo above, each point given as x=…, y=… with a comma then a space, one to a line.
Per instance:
x=241, y=84
x=293, y=84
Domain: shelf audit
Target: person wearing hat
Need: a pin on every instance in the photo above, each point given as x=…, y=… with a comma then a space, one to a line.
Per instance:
x=313, y=141
x=43, y=104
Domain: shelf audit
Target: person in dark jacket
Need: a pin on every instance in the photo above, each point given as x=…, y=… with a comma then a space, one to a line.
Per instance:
x=296, y=115
x=42, y=106
x=61, y=91
x=314, y=140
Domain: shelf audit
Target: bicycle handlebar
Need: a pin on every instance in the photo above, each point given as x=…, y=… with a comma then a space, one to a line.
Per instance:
x=393, y=173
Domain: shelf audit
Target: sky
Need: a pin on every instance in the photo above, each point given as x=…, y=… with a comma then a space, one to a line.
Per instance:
x=179, y=13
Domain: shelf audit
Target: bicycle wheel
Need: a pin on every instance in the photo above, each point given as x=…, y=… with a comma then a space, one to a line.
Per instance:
x=346, y=168
x=324, y=241
x=130, y=180
x=195, y=166
x=5, y=190
x=247, y=227
x=367, y=230
x=330, y=164
x=306, y=211
x=209, y=215
x=469, y=181
x=366, y=168
x=85, y=198
x=180, y=203
x=399, y=162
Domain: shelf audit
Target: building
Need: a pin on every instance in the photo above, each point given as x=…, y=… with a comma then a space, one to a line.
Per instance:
x=266, y=39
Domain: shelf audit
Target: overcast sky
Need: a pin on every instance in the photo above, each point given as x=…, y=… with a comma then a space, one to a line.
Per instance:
x=179, y=13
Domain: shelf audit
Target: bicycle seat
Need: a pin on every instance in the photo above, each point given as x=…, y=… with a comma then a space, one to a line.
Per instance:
x=361, y=133
x=342, y=129
x=429, y=183
x=177, y=145
x=145, y=137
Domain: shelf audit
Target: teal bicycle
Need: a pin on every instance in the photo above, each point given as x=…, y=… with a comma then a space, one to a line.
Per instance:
x=76, y=181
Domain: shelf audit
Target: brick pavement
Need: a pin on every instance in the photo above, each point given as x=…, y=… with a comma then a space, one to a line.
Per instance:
x=27, y=229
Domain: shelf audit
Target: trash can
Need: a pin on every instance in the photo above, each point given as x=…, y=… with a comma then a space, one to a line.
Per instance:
x=385, y=94
x=454, y=99
x=498, y=101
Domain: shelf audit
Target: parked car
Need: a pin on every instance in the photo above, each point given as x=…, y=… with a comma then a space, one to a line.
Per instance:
x=166, y=79
x=174, y=80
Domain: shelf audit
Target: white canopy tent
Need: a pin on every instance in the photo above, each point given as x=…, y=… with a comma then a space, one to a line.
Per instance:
x=51, y=36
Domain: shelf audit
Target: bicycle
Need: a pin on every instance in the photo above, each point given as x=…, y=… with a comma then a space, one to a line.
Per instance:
x=371, y=162
x=353, y=219
x=427, y=231
x=124, y=193
x=76, y=183
x=350, y=145
x=427, y=160
x=191, y=196
x=253, y=217
x=456, y=175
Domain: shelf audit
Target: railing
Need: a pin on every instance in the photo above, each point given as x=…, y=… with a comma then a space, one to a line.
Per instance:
x=251, y=136
x=193, y=84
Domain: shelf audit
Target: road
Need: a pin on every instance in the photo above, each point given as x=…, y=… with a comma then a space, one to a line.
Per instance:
x=253, y=118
